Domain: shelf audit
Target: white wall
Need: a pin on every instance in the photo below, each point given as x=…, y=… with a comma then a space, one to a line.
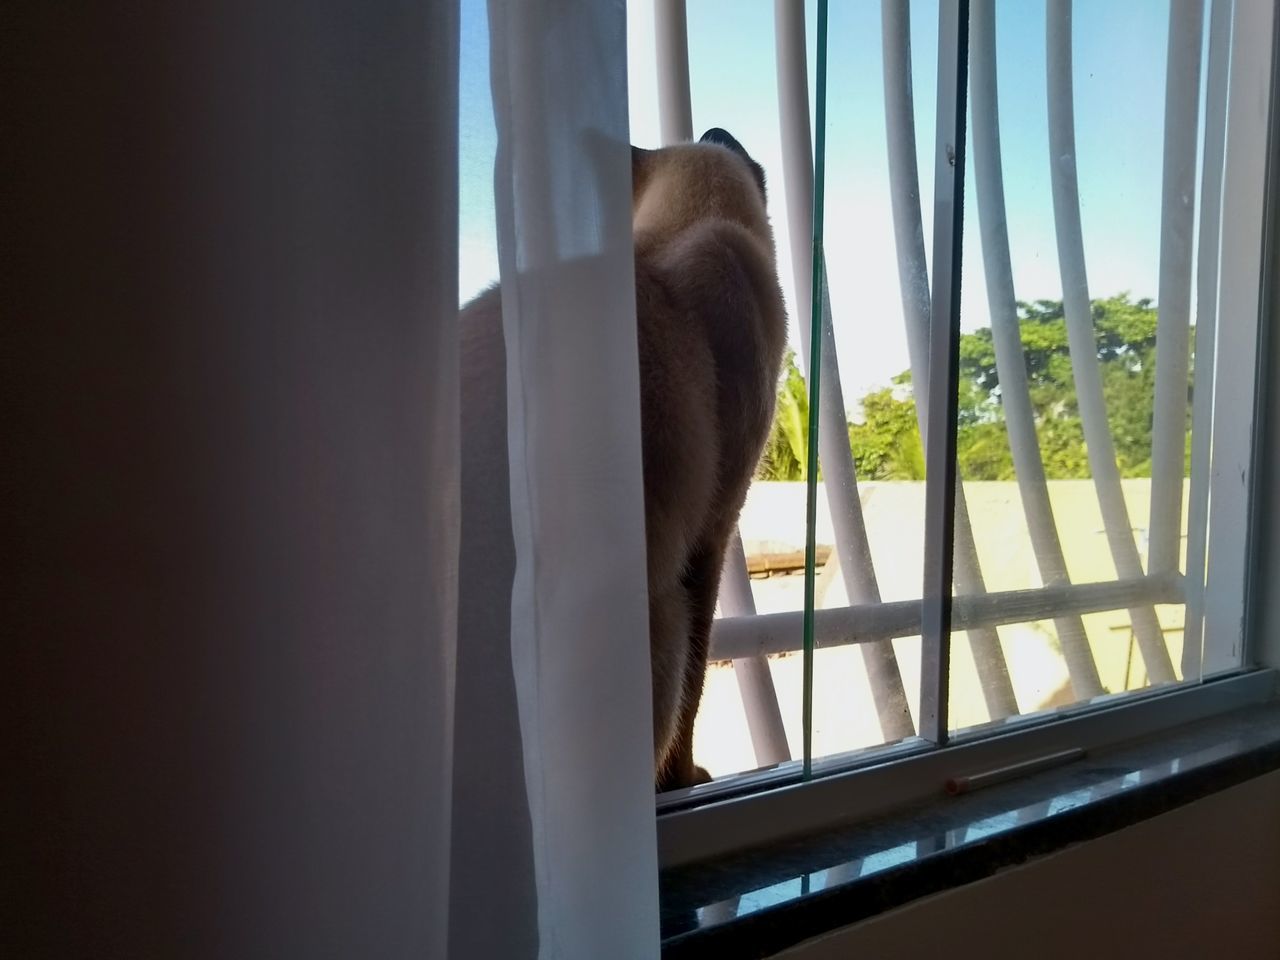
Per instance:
x=1199, y=881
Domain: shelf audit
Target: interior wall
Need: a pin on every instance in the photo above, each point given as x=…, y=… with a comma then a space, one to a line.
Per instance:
x=1200, y=881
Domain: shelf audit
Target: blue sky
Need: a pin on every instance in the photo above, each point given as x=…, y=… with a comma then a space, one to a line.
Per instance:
x=1119, y=85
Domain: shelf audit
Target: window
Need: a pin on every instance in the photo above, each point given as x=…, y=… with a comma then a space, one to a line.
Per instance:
x=1106, y=327
x=1105, y=324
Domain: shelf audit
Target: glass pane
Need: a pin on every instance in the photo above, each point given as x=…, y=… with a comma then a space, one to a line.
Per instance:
x=867, y=670
x=868, y=531
x=1084, y=361
x=1080, y=314
x=750, y=711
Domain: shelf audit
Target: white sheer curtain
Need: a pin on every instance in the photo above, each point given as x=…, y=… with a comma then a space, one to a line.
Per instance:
x=301, y=667
x=553, y=836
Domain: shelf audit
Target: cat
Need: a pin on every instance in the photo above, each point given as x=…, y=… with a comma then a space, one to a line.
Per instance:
x=711, y=329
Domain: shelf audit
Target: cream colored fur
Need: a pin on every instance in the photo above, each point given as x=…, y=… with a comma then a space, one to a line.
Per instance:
x=711, y=332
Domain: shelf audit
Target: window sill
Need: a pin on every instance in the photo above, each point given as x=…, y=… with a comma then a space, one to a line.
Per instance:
x=756, y=903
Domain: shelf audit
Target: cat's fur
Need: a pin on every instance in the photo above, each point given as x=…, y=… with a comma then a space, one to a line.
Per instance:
x=711, y=332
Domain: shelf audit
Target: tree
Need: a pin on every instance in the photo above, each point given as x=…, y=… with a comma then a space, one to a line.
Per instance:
x=886, y=443
x=785, y=453
x=1125, y=338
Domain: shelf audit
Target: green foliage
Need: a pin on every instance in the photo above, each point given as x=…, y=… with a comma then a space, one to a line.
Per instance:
x=886, y=442
x=785, y=453
x=1125, y=340
x=886, y=445
x=982, y=450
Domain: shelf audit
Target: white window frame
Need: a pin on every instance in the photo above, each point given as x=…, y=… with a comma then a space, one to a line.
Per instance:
x=772, y=803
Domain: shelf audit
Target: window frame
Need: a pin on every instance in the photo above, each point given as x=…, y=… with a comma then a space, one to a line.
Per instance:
x=762, y=807
x=767, y=805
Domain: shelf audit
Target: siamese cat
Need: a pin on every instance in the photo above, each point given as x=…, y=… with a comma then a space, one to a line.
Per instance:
x=712, y=329
x=711, y=333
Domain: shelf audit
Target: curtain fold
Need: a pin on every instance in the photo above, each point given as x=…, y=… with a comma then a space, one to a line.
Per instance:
x=233, y=496
x=440, y=354
x=308, y=660
x=579, y=641
x=492, y=851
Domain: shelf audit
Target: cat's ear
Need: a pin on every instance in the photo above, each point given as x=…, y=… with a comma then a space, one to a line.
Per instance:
x=724, y=138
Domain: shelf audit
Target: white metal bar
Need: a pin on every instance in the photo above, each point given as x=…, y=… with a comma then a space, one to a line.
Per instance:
x=1080, y=334
x=675, y=109
x=1206, y=328
x=1010, y=359
x=723, y=911
x=944, y=343
x=1177, y=217
x=1242, y=274
x=755, y=682
x=913, y=279
x=868, y=623
x=840, y=480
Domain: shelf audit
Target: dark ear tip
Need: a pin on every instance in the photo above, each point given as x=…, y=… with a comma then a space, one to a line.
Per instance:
x=724, y=138
x=721, y=136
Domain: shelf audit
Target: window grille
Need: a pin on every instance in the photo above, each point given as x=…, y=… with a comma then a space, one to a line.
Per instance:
x=1212, y=171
